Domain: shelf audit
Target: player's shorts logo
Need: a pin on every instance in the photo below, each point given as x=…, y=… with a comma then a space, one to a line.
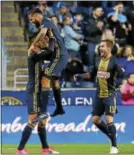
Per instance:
x=47, y=71
x=102, y=74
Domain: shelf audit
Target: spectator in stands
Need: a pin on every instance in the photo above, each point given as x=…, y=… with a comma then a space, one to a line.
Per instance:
x=107, y=34
x=117, y=22
x=71, y=38
x=25, y=6
x=78, y=23
x=130, y=16
x=64, y=12
x=73, y=67
x=56, y=22
x=30, y=28
x=126, y=59
x=129, y=66
x=93, y=32
x=127, y=90
x=57, y=5
x=47, y=11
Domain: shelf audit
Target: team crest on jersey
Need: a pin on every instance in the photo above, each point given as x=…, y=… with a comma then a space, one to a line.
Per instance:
x=103, y=74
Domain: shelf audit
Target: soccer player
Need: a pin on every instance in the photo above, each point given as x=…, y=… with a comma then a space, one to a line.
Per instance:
x=59, y=56
x=105, y=71
x=36, y=108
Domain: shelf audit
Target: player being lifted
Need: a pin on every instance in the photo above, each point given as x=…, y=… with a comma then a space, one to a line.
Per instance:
x=105, y=71
x=36, y=107
x=58, y=58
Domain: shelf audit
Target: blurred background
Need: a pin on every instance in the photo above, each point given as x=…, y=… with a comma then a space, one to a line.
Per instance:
x=82, y=25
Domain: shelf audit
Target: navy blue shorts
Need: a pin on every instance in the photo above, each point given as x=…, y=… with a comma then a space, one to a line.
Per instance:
x=35, y=97
x=57, y=64
x=37, y=103
x=105, y=106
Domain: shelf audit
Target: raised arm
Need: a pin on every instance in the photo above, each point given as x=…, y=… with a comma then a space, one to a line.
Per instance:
x=42, y=33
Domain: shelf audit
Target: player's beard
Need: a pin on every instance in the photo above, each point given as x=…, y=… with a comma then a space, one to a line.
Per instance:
x=37, y=24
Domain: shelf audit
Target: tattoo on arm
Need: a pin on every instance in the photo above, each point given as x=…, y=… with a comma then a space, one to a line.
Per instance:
x=42, y=33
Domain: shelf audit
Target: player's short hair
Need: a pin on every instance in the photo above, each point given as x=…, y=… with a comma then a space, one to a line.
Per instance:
x=35, y=11
x=109, y=42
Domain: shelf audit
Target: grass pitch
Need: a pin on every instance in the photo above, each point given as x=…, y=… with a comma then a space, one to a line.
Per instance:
x=72, y=148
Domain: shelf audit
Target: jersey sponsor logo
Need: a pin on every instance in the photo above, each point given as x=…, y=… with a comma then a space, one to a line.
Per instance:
x=8, y=100
x=103, y=74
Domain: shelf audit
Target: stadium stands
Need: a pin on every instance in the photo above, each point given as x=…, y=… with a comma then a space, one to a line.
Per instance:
x=15, y=33
x=13, y=37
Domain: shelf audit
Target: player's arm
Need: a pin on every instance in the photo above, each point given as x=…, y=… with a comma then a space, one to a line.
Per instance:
x=91, y=75
x=57, y=36
x=42, y=33
x=84, y=76
x=44, y=54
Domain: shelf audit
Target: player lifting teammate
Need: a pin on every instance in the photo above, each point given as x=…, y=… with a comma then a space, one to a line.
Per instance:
x=36, y=107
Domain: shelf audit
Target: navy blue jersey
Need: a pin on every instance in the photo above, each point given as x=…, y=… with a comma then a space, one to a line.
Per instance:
x=47, y=23
x=106, y=72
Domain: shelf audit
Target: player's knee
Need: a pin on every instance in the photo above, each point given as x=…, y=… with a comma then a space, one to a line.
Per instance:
x=96, y=119
x=109, y=119
x=32, y=116
x=42, y=123
x=31, y=124
x=45, y=83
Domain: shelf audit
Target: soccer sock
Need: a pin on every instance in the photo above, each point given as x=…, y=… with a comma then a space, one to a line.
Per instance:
x=103, y=127
x=42, y=135
x=44, y=100
x=25, y=136
x=57, y=96
x=112, y=133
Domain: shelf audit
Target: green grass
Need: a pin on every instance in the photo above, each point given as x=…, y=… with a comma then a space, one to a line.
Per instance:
x=72, y=148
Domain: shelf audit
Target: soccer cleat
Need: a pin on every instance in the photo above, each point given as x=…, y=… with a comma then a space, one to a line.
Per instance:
x=58, y=112
x=23, y=151
x=41, y=117
x=114, y=150
x=49, y=150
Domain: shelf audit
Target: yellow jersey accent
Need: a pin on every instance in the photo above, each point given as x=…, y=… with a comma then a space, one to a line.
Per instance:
x=103, y=66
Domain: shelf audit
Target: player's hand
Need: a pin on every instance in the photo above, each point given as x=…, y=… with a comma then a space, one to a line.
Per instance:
x=30, y=50
x=37, y=49
x=75, y=77
x=50, y=33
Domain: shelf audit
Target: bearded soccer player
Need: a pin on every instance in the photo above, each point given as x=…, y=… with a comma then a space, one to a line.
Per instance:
x=59, y=57
x=36, y=107
x=105, y=70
